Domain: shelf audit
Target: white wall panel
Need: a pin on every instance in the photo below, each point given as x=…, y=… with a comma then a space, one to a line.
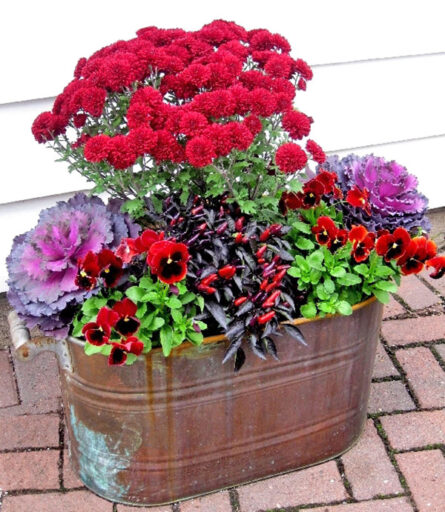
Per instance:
x=42, y=41
x=374, y=102
x=30, y=167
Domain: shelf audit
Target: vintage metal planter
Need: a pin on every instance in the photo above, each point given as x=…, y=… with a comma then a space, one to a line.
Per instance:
x=167, y=429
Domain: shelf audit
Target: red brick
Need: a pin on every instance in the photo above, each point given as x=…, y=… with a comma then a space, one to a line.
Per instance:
x=391, y=505
x=29, y=470
x=29, y=432
x=416, y=294
x=438, y=284
x=415, y=429
x=425, y=475
x=368, y=468
x=76, y=501
x=127, y=508
x=318, y=484
x=410, y=330
x=8, y=396
x=219, y=502
x=383, y=366
x=42, y=406
x=425, y=376
x=393, y=308
x=70, y=479
x=388, y=397
x=38, y=378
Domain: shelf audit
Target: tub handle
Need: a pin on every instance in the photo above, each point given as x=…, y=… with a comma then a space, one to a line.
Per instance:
x=26, y=347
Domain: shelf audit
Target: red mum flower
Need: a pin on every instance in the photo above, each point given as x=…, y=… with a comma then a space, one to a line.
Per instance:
x=253, y=123
x=138, y=114
x=168, y=261
x=121, y=153
x=92, y=100
x=200, y=151
x=438, y=263
x=280, y=66
x=290, y=158
x=418, y=251
x=363, y=243
x=142, y=139
x=88, y=271
x=111, y=267
x=317, y=153
x=262, y=102
x=359, y=198
x=325, y=230
x=46, y=126
x=303, y=69
x=393, y=246
x=192, y=124
x=297, y=124
x=239, y=135
x=97, y=148
x=79, y=120
x=98, y=332
x=127, y=323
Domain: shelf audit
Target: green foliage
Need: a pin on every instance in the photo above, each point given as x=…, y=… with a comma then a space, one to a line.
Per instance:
x=166, y=319
x=333, y=281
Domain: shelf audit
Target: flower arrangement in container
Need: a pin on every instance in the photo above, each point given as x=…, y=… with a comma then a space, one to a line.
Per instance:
x=217, y=224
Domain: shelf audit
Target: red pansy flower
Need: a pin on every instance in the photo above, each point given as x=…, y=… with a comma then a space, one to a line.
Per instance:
x=168, y=261
x=98, y=332
x=118, y=355
x=359, y=198
x=111, y=267
x=339, y=240
x=418, y=251
x=438, y=263
x=127, y=323
x=133, y=345
x=313, y=190
x=88, y=271
x=325, y=230
x=289, y=201
x=363, y=243
x=393, y=246
x=328, y=180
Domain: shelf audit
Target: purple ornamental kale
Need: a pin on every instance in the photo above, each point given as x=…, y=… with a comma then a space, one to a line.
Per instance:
x=42, y=265
x=393, y=194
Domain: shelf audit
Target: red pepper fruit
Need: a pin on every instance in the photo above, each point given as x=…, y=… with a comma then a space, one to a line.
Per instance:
x=206, y=289
x=275, y=229
x=202, y=227
x=265, y=235
x=227, y=272
x=240, y=239
x=270, y=301
x=222, y=228
x=239, y=224
x=260, y=253
x=209, y=279
x=280, y=275
x=267, y=317
x=240, y=300
x=264, y=284
x=197, y=210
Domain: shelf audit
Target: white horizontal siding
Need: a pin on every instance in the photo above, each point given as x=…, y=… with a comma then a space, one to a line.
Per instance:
x=42, y=41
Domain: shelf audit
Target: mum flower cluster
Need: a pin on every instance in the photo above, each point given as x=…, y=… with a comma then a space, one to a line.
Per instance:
x=177, y=102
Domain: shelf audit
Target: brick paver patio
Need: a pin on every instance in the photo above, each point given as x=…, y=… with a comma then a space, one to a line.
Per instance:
x=397, y=466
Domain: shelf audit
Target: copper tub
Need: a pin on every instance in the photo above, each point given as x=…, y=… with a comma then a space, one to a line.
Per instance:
x=167, y=429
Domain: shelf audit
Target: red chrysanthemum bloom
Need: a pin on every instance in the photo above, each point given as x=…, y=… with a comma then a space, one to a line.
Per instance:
x=253, y=78
x=168, y=261
x=98, y=332
x=193, y=124
x=81, y=141
x=121, y=154
x=200, y=151
x=290, y=158
x=79, y=67
x=143, y=140
x=280, y=66
x=363, y=243
x=419, y=250
x=303, y=69
x=438, y=263
x=241, y=98
x=393, y=246
x=325, y=230
x=79, y=120
x=214, y=104
x=262, y=102
x=110, y=267
x=127, y=322
x=297, y=124
x=301, y=84
x=46, y=126
x=239, y=135
x=138, y=114
x=97, y=148
x=315, y=150
x=359, y=198
x=87, y=271
x=196, y=75
x=253, y=123
x=220, y=138
x=92, y=100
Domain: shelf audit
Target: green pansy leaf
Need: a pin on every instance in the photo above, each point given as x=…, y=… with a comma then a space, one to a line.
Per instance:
x=329, y=286
x=308, y=310
x=383, y=271
x=362, y=269
x=304, y=244
x=315, y=260
x=302, y=226
x=349, y=280
x=387, y=286
x=195, y=337
x=92, y=349
x=294, y=272
x=166, y=334
x=338, y=271
x=382, y=295
x=174, y=303
x=344, y=308
x=135, y=293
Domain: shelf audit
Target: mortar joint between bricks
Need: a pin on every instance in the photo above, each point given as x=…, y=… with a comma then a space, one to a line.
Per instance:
x=437, y=356
x=391, y=454
x=234, y=500
x=431, y=287
x=14, y=376
x=426, y=448
x=346, y=484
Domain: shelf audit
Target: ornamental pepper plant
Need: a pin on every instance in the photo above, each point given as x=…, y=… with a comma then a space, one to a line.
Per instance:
x=195, y=135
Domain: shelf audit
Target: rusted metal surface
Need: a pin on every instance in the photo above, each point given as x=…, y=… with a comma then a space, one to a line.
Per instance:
x=166, y=429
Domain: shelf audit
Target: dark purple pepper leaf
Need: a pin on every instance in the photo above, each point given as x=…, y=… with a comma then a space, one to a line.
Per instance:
x=239, y=359
x=245, y=308
x=288, y=298
x=207, y=271
x=284, y=312
x=285, y=256
x=256, y=346
x=271, y=348
x=228, y=294
x=236, y=329
x=217, y=313
x=238, y=282
x=295, y=332
x=233, y=348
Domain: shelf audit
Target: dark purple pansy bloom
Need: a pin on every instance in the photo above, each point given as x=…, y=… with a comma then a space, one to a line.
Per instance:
x=43, y=262
x=393, y=196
